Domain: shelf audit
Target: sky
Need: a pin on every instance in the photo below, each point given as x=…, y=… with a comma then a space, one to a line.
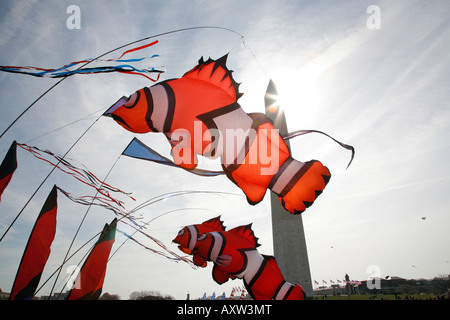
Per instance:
x=376, y=82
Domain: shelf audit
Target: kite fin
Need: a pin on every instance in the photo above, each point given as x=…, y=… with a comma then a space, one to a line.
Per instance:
x=219, y=275
x=246, y=232
x=224, y=260
x=303, y=187
x=215, y=223
x=199, y=261
x=185, y=250
x=215, y=72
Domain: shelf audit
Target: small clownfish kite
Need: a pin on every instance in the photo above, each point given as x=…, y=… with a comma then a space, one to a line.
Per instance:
x=234, y=255
x=187, y=237
x=199, y=115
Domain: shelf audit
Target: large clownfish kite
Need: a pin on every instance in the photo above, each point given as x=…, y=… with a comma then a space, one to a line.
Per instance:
x=199, y=115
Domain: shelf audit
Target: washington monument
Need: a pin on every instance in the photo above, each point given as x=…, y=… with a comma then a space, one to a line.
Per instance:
x=289, y=244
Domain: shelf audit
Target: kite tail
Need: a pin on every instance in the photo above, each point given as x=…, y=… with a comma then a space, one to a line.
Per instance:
x=296, y=133
x=107, y=203
x=81, y=174
x=63, y=72
x=160, y=244
x=77, y=67
x=156, y=251
x=94, y=200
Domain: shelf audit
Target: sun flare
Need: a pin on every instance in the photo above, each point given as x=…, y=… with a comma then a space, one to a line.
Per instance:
x=299, y=93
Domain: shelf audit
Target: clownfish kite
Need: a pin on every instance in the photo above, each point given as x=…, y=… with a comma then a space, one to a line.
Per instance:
x=199, y=115
x=187, y=237
x=234, y=255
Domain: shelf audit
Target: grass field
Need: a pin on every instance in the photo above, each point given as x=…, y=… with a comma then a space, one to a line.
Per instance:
x=381, y=297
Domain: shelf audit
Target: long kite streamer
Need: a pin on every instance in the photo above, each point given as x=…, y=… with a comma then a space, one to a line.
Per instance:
x=77, y=67
x=81, y=174
x=173, y=256
x=297, y=133
x=104, y=202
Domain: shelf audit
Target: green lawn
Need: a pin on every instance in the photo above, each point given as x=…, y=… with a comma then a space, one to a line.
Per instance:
x=379, y=297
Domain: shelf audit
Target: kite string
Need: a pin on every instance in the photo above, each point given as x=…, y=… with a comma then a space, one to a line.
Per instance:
x=171, y=194
x=254, y=57
x=87, y=117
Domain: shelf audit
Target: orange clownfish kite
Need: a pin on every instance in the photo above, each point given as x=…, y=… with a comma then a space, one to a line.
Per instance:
x=234, y=255
x=199, y=115
x=187, y=237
